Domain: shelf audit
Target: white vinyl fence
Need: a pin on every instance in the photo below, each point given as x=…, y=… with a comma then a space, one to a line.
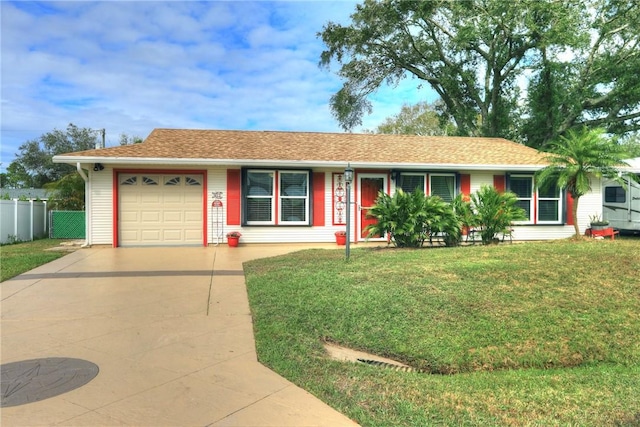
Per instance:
x=21, y=221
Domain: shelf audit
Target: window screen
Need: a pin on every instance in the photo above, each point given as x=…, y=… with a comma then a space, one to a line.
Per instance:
x=444, y=186
x=409, y=182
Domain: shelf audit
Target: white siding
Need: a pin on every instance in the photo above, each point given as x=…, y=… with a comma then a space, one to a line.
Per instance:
x=284, y=234
x=102, y=212
x=217, y=217
x=478, y=179
x=101, y=223
x=590, y=204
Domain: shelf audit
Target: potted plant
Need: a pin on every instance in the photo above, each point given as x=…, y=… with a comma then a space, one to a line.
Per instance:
x=597, y=223
x=233, y=238
x=341, y=237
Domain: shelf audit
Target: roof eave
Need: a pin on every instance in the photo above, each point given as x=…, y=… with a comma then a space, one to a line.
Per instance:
x=148, y=161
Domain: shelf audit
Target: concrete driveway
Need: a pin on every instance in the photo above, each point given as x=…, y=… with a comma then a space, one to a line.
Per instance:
x=170, y=331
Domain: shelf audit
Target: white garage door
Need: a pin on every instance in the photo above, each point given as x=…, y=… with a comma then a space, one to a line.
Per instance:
x=160, y=209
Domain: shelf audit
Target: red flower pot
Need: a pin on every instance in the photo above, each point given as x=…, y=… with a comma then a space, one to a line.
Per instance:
x=233, y=241
x=341, y=239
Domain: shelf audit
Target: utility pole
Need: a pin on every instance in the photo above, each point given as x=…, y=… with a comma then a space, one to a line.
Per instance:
x=103, y=133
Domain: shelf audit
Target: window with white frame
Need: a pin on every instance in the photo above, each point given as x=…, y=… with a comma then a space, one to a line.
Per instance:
x=294, y=197
x=443, y=186
x=549, y=205
x=259, y=197
x=547, y=201
x=262, y=201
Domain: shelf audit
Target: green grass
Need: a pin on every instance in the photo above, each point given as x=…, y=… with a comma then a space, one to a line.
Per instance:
x=20, y=257
x=523, y=334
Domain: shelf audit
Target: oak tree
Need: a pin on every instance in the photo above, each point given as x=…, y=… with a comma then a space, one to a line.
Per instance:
x=581, y=57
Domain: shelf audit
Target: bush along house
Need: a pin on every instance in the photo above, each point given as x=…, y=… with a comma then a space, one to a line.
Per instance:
x=193, y=187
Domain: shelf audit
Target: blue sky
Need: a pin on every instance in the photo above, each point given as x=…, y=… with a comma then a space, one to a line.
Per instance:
x=130, y=67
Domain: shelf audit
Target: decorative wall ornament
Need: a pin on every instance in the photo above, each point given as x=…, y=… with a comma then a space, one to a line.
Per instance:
x=339, y=199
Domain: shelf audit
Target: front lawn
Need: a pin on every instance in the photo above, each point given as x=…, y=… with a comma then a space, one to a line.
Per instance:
x=20, y=257
x=523, y=334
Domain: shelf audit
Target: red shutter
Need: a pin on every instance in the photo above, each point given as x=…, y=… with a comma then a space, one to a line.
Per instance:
x=499, y=183
x=465, y=185
x=233, y=196
x=569, y=209
x=318, y=198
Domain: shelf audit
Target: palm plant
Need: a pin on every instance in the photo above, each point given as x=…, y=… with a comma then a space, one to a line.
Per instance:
x=411, y=218
x=67, y=193
x=577, y=156
x=401, y=217
x=495, y=211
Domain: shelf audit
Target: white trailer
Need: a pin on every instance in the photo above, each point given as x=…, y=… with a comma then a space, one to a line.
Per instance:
x=621, y=205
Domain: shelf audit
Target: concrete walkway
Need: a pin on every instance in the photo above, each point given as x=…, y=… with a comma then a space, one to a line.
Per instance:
x=170, y=330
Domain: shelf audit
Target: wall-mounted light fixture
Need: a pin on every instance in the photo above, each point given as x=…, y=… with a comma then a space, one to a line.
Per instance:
x=97, y=167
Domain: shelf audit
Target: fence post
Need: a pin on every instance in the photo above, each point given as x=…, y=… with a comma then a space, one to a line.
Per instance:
x=15, y=219
x=32, y=219
x=44, y=218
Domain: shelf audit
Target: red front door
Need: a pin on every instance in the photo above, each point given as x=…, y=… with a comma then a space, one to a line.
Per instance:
x=369, y=189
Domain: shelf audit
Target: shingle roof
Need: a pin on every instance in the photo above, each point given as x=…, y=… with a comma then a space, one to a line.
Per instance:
x=319, y=147
x=29, y=193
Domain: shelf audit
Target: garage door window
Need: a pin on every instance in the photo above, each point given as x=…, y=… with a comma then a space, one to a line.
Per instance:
x=128, y=180
x=171, y=180
x=150, y=180
x=193, y=180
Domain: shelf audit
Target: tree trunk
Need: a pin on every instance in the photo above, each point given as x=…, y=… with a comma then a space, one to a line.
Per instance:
x=575, y=217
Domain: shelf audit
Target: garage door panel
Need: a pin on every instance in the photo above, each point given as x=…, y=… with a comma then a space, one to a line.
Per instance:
x=172, y=235
x=129, y=216
x=130, y=235
x=166, y=214
x=193, y=197
x=151, y=217
x=173, y=216
x=128, y=197
x=150, y=198
x=191, y=217
x=174, y=197
x=193, y=235
x=150, y=236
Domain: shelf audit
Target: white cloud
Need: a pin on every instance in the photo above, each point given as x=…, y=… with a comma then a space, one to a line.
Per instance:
x=132, y=66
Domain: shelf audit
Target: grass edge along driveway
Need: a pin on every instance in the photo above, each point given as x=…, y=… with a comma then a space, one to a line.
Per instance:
x=544, y=333
x=21, y=257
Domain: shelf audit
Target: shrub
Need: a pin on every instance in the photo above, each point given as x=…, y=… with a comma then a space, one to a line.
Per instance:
x=464, y=211
x=441, y=219
x=495, y=211
x=401, y=216
x=411, y=218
